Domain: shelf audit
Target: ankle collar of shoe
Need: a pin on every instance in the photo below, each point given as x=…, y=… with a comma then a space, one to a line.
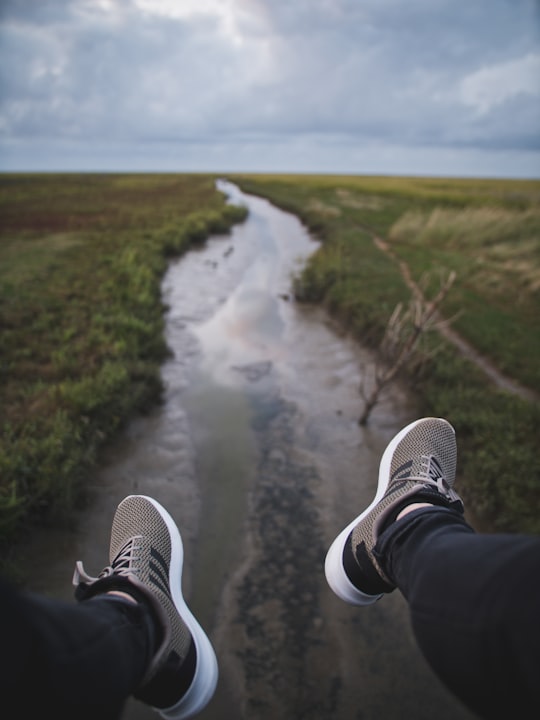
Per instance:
x=100, y=586
x=363, y=569
x=133, y=586
x=433, y=496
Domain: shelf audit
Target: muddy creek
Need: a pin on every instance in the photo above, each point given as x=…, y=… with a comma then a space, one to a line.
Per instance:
x=257, y=454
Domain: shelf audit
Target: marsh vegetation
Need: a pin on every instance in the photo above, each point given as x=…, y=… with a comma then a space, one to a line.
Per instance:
x=487, y=232
x=82, y=257
x=81, y=261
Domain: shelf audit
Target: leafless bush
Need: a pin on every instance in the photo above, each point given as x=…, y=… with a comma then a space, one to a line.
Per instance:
x=405, y=327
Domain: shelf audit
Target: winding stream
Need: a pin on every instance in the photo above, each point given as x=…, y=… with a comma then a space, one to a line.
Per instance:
x=257, y=454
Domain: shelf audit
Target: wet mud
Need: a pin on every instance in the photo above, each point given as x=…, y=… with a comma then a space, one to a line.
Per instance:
x=257, y=454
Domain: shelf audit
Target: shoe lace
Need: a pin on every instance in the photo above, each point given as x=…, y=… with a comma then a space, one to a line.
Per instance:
x=124, y=564
x=431, y=474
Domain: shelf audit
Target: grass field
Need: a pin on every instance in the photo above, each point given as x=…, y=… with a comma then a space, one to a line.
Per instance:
x=81, y=260
x=488, y=232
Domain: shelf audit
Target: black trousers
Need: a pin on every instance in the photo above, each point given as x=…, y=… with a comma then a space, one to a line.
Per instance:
x=71, y=660
x=474, y=603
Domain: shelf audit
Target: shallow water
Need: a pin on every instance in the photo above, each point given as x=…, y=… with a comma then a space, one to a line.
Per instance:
x=257, y=454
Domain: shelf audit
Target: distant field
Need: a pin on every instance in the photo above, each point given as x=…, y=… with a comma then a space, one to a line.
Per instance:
x=488, y=232
x=81, y=260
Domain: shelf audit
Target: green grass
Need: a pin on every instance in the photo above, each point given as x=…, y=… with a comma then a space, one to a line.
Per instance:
x=496, y=254
x=488, y=231
x=81, y=261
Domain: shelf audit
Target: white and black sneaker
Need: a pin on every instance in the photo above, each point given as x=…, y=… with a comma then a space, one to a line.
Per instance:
x=146, y=551
x=419, y=465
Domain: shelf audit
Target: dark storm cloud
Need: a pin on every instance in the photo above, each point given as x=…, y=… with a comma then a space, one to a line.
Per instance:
x=423, y=73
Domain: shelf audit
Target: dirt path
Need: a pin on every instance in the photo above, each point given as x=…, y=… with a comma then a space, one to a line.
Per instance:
x=483, y=363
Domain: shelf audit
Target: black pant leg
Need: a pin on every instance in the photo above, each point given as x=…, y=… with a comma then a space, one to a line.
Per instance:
x=474, y=602
x=78, y=660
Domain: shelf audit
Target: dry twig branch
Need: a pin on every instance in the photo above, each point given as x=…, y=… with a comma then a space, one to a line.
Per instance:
x=401, y=337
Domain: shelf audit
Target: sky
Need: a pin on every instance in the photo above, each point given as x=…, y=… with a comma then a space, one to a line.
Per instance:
x=385, y=87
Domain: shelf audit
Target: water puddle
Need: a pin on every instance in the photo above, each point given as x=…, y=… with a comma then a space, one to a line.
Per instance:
x=257, y=454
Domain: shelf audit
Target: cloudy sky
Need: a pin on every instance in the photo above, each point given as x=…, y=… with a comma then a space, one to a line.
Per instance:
x=437, y=87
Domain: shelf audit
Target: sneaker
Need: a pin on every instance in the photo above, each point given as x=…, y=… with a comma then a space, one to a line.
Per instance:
x=419, y=465
x=146, y=556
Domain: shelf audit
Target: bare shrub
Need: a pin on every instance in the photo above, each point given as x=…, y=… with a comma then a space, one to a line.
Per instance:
x=403, y=332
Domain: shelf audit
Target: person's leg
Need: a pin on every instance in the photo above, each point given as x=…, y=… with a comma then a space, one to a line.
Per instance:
x=130, y=634
x=146, y=555
x=474, y=601
x=78, y=660
x=465, y=590
x=418, y=465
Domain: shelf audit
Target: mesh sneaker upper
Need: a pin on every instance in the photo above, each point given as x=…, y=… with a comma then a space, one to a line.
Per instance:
x=138, y=522
x=427, y=452
x=421, y=467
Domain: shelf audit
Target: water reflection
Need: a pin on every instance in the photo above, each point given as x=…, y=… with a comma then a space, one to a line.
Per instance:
x=248, y=328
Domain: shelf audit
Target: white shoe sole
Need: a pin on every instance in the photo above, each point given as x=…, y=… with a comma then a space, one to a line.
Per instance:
x=205, y=679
